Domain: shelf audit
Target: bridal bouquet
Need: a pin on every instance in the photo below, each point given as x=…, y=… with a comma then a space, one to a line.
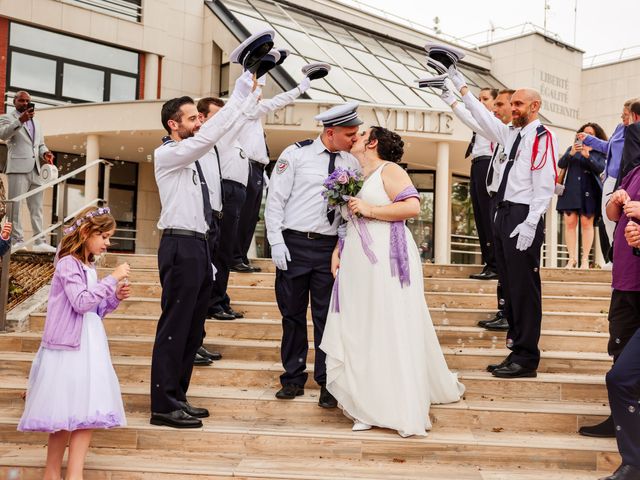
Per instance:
x=340, y=185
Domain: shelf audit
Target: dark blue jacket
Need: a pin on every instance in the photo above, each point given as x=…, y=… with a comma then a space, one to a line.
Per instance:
x=582, y=180
x=4, y=246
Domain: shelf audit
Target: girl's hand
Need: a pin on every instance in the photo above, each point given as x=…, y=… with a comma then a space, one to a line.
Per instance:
x=620, y=197
x=632, y=209
x=335, y=262
x=121, y=271
x=359, y=207
x=123, y=291
x=6, y=231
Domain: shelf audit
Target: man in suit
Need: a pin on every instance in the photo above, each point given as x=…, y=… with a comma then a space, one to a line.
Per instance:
x=25, y=151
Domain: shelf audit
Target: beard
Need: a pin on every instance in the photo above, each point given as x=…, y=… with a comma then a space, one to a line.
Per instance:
x=520, y=121
x=185, y=133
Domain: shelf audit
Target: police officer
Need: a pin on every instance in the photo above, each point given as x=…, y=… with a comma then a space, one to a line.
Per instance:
x=527, y=183
x=302, y=234
x=253, y=141
x=502, y=111
x=183, y=255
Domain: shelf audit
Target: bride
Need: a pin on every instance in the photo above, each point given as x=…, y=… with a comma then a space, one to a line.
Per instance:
x=384, y=363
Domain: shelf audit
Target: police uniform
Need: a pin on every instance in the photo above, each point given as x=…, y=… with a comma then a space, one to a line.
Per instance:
x=486, y=183
x=234, y=165
x=183, y=258
x=253, y=142
x=296, y=215
x=526, y=186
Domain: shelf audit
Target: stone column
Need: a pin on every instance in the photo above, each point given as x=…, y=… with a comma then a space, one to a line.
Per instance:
x=442, y=212
x=92, y=175
x=151, y=65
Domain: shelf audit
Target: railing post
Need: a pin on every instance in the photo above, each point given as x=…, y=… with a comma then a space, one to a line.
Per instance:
x=106, y=183
x=62, y=210
x=4, y=280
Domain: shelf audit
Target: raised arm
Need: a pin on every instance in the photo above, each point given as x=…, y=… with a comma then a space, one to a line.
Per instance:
x=281, y=100
x=493, y=129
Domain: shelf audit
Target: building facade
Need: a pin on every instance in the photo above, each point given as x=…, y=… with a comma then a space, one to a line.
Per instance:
x=99, y=71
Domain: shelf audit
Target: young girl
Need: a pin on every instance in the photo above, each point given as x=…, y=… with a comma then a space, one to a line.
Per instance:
x=72, y=385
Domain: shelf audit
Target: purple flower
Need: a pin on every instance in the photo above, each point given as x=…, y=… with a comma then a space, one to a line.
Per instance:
x=343, y=178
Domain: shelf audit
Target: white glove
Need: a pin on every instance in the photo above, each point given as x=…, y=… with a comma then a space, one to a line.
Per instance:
x=280, y=255
x=304, y=85
x=526, y=233
x=244, y=85
x=456, y=77
x=448, y=97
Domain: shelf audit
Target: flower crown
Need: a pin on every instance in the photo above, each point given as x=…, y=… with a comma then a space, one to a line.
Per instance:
x=94, y=213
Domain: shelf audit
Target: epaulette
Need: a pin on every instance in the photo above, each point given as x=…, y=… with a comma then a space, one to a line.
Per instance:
x=541, y=130
x=166, y=140
x=304, y=143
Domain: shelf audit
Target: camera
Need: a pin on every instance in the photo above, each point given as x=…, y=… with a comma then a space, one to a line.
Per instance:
x=31, y=106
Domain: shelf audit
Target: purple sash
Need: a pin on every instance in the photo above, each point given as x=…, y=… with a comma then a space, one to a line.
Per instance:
x=398, y=254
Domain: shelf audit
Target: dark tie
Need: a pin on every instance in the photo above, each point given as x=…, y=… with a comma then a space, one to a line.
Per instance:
x=331, y=214
x=471, y=144
x=507, y=168
x=489, y=178
x=208, y=211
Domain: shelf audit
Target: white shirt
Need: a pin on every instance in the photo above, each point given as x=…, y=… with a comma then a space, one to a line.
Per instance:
x=295, y=198
x=533, y=187
x=233, y=161
x=482, y=147
x=209, y=165
x=252, y=139
x=176, y=173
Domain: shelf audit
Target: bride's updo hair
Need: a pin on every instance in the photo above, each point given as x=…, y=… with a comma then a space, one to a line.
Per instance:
x=390, y=145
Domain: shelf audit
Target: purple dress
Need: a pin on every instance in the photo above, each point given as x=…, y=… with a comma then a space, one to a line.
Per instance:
x=74, y=389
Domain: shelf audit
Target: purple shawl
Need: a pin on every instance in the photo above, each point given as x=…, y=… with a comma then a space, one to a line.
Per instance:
x=398, y=253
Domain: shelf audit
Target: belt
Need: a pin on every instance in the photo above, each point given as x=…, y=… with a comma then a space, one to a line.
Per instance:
x=508, y=204
x=481, y=157
x=217, y=214
x=311, y=235
x=178, y=232
x=256, y=162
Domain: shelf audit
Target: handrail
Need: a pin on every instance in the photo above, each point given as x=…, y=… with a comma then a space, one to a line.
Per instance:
x=63, y=217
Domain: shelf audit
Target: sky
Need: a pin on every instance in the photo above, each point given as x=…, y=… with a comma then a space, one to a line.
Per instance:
x=602, y=25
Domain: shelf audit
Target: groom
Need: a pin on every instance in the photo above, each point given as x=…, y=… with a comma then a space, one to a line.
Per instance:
x=302, y=234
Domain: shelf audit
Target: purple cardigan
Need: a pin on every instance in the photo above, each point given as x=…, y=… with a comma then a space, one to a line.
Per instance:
x=70, y=299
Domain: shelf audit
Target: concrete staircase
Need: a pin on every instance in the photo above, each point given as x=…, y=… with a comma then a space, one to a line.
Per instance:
x=503, y=429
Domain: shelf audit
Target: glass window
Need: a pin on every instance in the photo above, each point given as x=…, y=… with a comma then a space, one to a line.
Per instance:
x=83, y=83
x=253, y=24
x=321, y=95
x=339, y=55
x=372, y=44
x=241, y=6
x=375, y=89
x=402, y=55
x=73, y=48
x=408, y=96
x=374, y=65
x=309, y=25
x=345, y=85
x=271, y=11
x=405, y=75
x=122, y=88
x=33, y=73
x=224, y=80
x=341, y=35
x=293, y=66
x=303, y=43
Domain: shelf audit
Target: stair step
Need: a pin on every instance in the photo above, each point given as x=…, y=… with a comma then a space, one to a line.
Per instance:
x=26, y=461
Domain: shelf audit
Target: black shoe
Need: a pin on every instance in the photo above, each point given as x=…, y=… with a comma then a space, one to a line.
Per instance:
x=199, y=360
x=495, y=366
x=254, y=268
x=175, y=419
x=498, y=325
x=486, y=274
x=624, y=472
x=605, y=429
x=513, y=370
x=241, y=268
x=231, y=311
x=326, y=400
x=290, y=391
x=196, y=412
x=498, y=316
x=222, y=316
x=203, y=352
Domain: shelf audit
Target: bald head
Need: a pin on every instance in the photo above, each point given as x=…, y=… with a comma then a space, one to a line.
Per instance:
x=21, y=100
x=525, y=105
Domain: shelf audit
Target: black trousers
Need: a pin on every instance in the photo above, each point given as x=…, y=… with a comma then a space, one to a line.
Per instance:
x=624, y=320
x=493, y=207
x=234, y=196
x=308, y=275
x=212, y=245
x=186, y=279
x=522, y=291
x=623, y=386
x=250, y=213
x=481, y=202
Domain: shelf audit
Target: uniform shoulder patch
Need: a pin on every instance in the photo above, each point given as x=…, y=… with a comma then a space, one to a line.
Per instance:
x=303, y=143
x=541, y=130
x=282, y=166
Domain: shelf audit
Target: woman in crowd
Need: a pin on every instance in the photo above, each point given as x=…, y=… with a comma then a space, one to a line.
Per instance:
x=583, y=192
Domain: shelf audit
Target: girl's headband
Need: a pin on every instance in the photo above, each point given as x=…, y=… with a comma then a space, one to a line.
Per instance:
x=94, y=213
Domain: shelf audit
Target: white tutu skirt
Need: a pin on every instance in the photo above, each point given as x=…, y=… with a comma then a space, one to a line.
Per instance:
x=74, y=389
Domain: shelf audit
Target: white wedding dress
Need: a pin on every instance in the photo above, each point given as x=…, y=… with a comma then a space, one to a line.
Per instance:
x=385, y=366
